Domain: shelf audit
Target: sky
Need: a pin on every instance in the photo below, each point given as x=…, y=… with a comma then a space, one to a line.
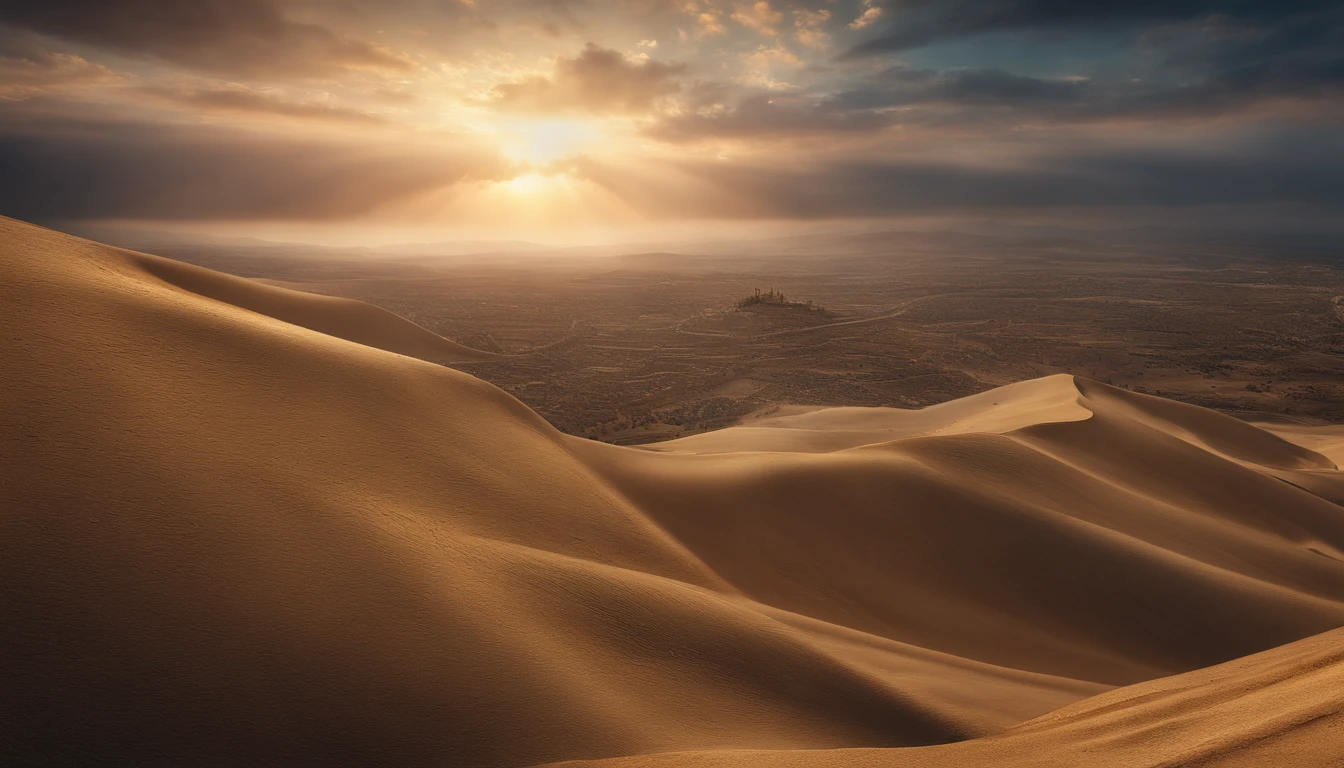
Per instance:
x=585, y=120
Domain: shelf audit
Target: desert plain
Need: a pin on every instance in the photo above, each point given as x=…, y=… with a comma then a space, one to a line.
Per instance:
x=645, y=342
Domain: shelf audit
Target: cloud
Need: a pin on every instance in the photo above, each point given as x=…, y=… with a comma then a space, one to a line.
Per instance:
x=69, y=171
x=1205, y=58
x=991, y=101
x=901, y=86
x=1285, y=171
x=809, y=27
x=239, y=99
x=1057, y=79
x=759, y=16
x=756, y=115
x=868, y=16
x=237, y=36
x=911, y=24
x=892, y=97
x=28, y=70
x=1240, y=89
x=708, y=20
x=767, y=58
x=598, y=80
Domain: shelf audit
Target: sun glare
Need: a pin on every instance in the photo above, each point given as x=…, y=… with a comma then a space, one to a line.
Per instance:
x=545, y=141
x=529, y=184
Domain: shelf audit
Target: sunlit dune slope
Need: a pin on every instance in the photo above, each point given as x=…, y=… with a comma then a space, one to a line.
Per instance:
x=817, y=430
x=1327, y=441
x=343, y=318
x=226, y=539
x=1282, y=707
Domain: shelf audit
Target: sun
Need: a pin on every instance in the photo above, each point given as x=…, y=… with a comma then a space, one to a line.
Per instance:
x=539, y=142
x=529, y=184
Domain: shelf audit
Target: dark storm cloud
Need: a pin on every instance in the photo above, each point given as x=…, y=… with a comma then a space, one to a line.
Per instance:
x=915, y=23
x=597, y=81
x=241, y=36
x=106, y=171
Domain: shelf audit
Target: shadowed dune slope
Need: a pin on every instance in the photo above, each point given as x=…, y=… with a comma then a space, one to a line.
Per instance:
x=226, y=539
x=1282, y=707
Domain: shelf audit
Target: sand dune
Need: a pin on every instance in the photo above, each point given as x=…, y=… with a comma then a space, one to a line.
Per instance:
x=229, y=539
x=1327, y=441
x=1282, y=707
x=1056, y=548
x=343, y=318
x=801, y=429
